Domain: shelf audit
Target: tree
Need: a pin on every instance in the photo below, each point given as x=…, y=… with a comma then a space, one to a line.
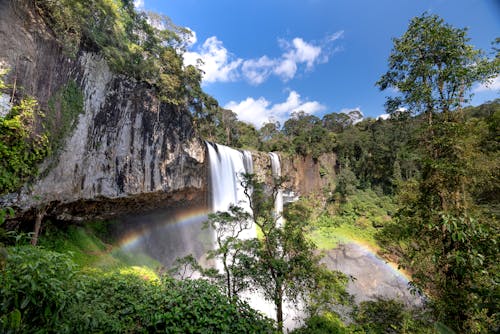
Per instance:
x=308, y=135
x=282, y=264
x=451, y=249
x=228, y=227
x=346, y=182
x=434, y=68
x=336, y=122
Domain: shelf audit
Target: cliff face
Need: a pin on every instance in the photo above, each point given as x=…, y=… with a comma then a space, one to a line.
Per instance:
x=304, y=174
x=128, y=151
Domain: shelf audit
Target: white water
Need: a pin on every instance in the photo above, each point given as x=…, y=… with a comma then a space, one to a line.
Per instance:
x=226, y=167
x=278, y=204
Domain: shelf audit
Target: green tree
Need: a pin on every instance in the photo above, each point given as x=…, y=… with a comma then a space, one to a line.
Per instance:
x=451, y=248
x=228, y=227
x=347, y=182
x=282, y=264
x=307, y=134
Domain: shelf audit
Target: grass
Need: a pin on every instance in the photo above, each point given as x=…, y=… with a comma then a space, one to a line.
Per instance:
x=357, y=219
x=330, y=237
x=89, y=251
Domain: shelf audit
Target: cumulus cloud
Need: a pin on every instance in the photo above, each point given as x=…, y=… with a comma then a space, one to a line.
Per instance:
x=217, y=63
x=259, y=111
x=139, y=4
x=297, y=52
x=258, y=70
x=220, y=65
x=492, y=85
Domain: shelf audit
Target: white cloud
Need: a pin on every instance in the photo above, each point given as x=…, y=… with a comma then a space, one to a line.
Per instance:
x=257, y=71
x=384, y=116
x=336, y=35
x=355, y=114
x=139, y=4
x=192, y=39
x=491, y=85
x=297, y=52
x=286, y=69
x=259, y=111
x=218, y=63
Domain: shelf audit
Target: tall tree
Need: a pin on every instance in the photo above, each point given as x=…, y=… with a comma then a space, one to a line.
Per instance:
x=451, y=250
x=282, y=264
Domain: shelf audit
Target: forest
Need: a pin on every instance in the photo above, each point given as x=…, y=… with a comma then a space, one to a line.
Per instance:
x=420, y=186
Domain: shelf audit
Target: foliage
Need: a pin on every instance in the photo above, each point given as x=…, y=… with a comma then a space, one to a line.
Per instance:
x=85, y=246
x=433, y=67
x=146, y=46
x=21, y=148
x=307, y=135
x=34, y=287
x=448, y=243
x=346, y=182
x=282, y=263
x=41, y=291
x=358, y=218
x=64, y=108
x=228, y=227
x=325, y=323
x=391, y=317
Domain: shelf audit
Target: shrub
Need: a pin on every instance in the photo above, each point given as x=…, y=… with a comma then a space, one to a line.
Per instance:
x=41, y=291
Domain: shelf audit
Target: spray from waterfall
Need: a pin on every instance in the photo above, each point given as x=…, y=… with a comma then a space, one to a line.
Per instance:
x=276, y=172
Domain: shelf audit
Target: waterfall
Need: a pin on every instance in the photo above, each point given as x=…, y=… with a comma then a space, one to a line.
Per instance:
x=226, y=167
x=248, y=162
x=276, y=172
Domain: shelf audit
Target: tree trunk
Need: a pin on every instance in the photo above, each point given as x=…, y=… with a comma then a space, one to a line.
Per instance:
x=279, y=312
x=40, y=213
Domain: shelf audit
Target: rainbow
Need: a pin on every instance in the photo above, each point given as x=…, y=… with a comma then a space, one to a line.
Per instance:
x=372, y=252
x=185, y=219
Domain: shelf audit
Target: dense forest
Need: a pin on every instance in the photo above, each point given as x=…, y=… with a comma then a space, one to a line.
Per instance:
x=421, y=185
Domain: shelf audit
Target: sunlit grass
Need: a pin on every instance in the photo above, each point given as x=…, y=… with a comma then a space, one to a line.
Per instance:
x=88, y=251
x=357, y=219
x=330, y=237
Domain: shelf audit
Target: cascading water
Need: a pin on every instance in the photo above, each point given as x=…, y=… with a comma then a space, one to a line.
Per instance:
x=248, y=161
x=276, y=170
x=226, y=167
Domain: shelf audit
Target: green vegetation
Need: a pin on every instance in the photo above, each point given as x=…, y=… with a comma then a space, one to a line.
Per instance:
x=85, y=248
x=145, y=46
x=451, y=243
x=64, y=108
x=281, y=264
x=21, y=148
x=358, y=217
x=422, y=185
x=43, y=291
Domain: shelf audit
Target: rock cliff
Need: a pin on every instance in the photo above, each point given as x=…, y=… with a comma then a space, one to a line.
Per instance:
x=127, y=152
x=304, y=175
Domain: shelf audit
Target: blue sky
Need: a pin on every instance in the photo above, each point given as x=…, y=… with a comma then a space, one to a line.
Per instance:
x=267, y=58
